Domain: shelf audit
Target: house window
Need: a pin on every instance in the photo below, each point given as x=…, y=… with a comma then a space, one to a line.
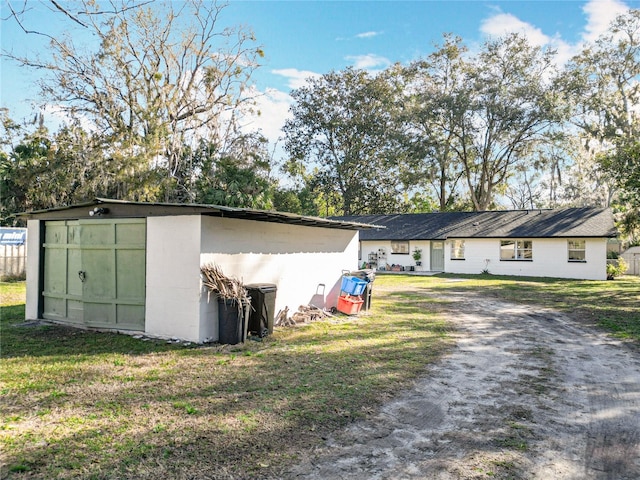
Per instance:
x=577, y=250
x=516, y=250
x=400, y=248
x=457, y=250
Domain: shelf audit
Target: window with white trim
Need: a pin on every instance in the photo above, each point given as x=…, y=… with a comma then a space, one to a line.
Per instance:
x=400, y=247
x=516, y=250
x=577, y=250
x=457, y=250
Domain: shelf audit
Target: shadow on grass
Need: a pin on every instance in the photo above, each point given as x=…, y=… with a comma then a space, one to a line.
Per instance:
x=21, y=339
x=242, y=414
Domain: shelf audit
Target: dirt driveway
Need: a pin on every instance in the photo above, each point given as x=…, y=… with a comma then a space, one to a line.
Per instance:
x=527, y=393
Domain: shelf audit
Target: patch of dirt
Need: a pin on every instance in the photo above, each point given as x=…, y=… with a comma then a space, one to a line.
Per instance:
x=527, y=393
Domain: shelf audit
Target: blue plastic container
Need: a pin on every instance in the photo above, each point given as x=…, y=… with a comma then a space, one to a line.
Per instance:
x=353, y=285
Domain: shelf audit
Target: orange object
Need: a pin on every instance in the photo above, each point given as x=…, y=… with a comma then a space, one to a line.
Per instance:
x=349, y=305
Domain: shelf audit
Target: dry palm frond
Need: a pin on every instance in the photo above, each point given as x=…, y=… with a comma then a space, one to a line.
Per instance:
x=224, y=287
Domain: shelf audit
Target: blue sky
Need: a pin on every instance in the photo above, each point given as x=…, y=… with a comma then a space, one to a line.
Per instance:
x=304, y=38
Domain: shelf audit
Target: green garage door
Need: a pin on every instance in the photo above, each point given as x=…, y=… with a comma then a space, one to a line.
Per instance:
x=94, y=272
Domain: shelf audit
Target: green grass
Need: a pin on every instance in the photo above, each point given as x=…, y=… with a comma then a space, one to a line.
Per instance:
x=611, y=304
x=81, y=404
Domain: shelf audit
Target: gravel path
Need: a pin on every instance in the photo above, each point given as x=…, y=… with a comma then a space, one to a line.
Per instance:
x=527, y=393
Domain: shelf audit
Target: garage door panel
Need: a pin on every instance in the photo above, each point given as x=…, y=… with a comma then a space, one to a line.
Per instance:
x=74, y=267
x=55, y=267
x=130, y=268
x=55, y=308
x=99, y=314
x=56, y=233
x=73, y=233
x=97, y=232
x=99, y=269
x=130, y=317
x=130, y=233
x=75, y=311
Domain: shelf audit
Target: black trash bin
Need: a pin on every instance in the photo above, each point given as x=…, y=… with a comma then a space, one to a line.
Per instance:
x=231, y=322
x=263, y=305
x=369, y=276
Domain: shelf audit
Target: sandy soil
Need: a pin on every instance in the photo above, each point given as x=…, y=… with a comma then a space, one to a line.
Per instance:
x=527, y=393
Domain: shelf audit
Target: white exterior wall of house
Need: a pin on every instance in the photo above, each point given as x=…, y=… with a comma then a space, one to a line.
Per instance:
x=550, y=259
x=172, y=307
x=297, y=259
x=373, y=246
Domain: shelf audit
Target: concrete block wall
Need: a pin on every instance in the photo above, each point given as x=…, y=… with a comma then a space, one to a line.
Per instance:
x=173, y=290
x=305, y=263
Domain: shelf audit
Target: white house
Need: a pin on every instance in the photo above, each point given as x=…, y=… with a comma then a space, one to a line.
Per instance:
x=132, y=266
x=567, y=243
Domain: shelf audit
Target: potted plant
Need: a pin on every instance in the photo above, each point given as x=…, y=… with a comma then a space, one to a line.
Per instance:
x=417, y=256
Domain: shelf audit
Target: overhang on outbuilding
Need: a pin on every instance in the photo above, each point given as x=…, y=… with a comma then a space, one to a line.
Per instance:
x=133, y=209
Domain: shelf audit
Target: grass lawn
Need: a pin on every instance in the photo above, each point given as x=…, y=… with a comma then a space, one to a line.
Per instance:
x=79, y=404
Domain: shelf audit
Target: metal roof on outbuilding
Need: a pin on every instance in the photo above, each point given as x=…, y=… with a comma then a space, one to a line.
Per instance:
x=131, y=209
x=569, y=222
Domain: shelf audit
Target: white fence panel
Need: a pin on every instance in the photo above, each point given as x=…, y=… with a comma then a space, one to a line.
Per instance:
x=13, y=260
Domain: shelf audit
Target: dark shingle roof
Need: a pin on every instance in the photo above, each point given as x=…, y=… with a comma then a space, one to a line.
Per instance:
x=569, y=222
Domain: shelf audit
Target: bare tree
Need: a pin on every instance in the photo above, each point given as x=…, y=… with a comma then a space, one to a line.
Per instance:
x=161, y=79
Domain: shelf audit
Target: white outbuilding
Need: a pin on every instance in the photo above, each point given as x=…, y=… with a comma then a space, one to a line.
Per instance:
x=135, y=267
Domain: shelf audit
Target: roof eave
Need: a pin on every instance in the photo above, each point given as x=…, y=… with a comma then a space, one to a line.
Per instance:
x=223, y=211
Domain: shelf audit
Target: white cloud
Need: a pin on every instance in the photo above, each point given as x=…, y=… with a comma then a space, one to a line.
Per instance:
x=273, y=107
x=297, y=78
x=505, y=23
x=368, y=62
x=368, y=34
x=268, y=115
x=600, y=14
